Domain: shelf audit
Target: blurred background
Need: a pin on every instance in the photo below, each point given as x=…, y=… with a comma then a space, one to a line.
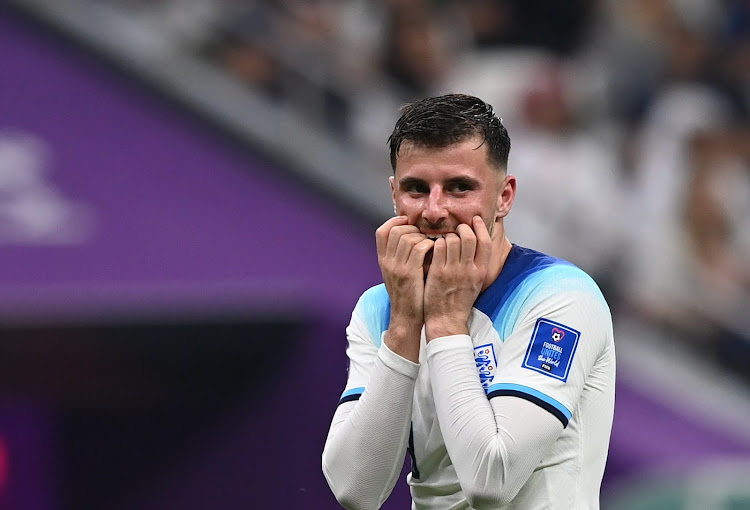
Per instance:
x=188, y=197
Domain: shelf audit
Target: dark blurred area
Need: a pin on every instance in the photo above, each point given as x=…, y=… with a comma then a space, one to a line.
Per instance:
x=130, y=399
x=188, y=196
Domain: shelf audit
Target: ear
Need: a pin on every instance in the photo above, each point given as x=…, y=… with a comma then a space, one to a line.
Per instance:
x=506, y=196
x=392, y=181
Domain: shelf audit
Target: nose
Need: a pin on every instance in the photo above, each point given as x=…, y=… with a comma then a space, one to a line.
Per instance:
x=435, y=208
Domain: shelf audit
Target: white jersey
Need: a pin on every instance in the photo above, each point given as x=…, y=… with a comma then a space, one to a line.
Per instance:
x=540, y=349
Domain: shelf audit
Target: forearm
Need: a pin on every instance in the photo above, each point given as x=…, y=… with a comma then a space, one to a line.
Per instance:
x=494, y=446
x=367, y=441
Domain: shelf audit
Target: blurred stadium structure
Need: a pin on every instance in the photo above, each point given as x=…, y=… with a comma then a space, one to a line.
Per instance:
x=188, y=191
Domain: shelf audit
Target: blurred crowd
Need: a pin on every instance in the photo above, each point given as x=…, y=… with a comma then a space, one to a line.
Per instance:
x=630, y=123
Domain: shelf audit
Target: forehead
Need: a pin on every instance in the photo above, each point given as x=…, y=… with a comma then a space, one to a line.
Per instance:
x=469, y=155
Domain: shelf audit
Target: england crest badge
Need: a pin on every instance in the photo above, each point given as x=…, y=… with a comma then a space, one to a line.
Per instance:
x=484, y=356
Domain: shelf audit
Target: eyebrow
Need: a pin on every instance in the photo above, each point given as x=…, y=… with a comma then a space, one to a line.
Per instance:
x=464, y=179
x=409, y=181
x=461, y=179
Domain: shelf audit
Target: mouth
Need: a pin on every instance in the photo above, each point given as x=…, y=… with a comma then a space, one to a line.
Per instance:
x=428, y=256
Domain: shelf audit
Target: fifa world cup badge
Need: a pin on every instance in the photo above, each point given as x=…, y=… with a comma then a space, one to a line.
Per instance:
x=551, y=349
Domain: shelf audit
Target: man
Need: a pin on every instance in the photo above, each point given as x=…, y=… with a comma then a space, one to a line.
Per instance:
x=492, y=364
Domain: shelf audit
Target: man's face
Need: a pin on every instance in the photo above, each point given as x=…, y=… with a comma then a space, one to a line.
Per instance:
x=438, y=189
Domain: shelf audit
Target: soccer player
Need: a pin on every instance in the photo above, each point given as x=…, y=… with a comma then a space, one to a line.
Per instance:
x=492, y=364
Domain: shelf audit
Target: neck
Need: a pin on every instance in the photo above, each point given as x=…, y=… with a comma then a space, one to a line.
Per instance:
x=500, y=251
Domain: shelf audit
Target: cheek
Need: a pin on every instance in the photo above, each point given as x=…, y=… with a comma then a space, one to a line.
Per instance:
x=467, y=210
x=490, y=207
x=406, y=206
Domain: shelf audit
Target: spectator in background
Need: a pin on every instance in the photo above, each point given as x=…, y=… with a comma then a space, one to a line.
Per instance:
x=711, y=265
x=629, y=40
x=662, y=281
x=568, y=203
x=416, y=49
x=415, y=55
x=735, y=61
x=557, y=27
x=287, y=51
x=317, y=82
x=242, y=45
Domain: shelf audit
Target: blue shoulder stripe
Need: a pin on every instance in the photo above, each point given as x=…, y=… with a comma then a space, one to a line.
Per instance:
x=525, y=272
x=519, y=266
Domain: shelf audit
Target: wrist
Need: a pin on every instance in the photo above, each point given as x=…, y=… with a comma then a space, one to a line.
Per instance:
x=437, y=328
x=404, y=340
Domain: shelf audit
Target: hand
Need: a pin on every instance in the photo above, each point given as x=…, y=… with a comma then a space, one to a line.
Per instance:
x=401, y=254
x=455, y=279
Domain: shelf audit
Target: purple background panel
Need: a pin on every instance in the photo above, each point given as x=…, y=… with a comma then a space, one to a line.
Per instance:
x=650, y=433
x=174, y=205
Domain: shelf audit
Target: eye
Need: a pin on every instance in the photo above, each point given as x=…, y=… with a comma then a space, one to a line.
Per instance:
x=417, y=188
x=460, y=187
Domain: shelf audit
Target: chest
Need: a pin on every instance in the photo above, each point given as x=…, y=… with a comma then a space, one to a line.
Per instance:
x=428, y=446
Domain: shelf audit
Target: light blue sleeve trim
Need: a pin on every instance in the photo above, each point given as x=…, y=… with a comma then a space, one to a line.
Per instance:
x=534, y=393
x=374, y=307
x=353, y=391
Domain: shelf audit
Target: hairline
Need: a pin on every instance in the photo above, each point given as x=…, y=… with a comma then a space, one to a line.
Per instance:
x=498, y=167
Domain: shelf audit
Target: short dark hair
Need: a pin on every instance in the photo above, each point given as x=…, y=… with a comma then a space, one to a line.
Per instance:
x=441, y=121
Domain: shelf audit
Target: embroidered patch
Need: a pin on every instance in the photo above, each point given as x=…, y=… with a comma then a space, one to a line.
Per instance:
x=551, y=349
x=484, y=355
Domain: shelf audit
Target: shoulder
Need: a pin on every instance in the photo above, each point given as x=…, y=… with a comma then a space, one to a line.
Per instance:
x=373, y=311
x=533, y=283
x=562, y=279
x=529, y=272
x=560, y=291
x=374, y=299
x=543, y=276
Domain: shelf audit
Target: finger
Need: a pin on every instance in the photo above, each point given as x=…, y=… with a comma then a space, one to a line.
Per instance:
x=394, y=237
x=419, y=252
x=381, y=234
x=439, y=253
x=453, y=248
x=406, y=244
x=468, y=243
x=484, y=242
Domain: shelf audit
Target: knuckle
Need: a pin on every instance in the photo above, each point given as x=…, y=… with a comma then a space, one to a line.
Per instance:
x=407, y=240
x=397, y=231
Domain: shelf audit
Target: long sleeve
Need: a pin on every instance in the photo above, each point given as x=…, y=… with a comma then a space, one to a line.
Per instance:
x=495, y=444
x=368, y=437
x=554, y=368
